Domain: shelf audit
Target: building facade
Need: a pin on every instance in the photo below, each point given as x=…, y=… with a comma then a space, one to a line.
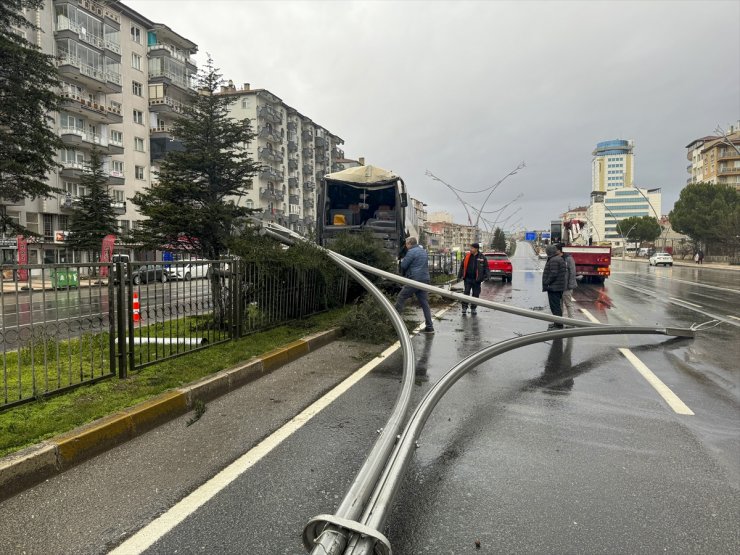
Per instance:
x=613, y=165
x=614, y=196
x=123, y=78
x=295, y=154
x=715, y=159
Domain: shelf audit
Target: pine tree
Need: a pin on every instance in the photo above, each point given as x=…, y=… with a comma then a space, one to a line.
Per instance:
x=197, y=188
x=93, y=217
x=499, y=240
x=28, y=94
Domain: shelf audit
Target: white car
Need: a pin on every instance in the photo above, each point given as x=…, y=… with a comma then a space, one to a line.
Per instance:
x=191, y=270
x=661, y=258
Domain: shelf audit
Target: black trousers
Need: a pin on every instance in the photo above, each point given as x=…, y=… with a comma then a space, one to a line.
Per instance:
x=472, y=288
x=556, y=299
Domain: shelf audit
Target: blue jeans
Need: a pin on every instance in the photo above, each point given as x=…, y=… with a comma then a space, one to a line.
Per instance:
x=422, y=296
x=472, y=287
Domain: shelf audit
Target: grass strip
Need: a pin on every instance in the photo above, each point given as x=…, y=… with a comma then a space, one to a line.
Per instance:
x=29, y=424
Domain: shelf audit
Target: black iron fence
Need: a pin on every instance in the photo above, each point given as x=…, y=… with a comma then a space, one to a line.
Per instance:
x=443, y=264
x=62, y=326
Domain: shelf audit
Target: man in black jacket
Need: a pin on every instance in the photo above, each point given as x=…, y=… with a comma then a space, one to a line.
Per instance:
x=474, y=270
x=554, y=282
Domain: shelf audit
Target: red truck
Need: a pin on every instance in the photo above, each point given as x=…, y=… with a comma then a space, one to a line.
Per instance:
x=592, y=261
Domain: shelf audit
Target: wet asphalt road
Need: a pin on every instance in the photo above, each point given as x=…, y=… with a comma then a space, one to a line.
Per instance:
x=557, y=448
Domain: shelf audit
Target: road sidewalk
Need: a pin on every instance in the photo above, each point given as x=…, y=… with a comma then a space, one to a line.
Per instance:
x=30, y=466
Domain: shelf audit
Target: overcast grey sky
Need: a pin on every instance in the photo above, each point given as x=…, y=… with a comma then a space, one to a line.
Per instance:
x=467, y=90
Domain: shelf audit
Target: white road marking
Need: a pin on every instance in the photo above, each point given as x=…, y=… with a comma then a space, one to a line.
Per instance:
x=685, y=302
x=155, y=530
x=590, y=316
x=731, y=316
x=663, y=390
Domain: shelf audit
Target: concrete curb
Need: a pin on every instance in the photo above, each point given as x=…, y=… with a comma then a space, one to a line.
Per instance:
x=39, y=462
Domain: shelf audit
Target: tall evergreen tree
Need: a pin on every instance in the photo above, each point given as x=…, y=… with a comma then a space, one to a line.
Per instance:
x=499, y=240
x=197, y=188
x=93, y=217
x=29, y=87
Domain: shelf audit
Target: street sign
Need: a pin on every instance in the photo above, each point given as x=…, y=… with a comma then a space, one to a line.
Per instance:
x=530, y=236
x=545, y=235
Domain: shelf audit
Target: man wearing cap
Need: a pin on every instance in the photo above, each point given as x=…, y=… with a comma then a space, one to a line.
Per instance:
x=473, y=270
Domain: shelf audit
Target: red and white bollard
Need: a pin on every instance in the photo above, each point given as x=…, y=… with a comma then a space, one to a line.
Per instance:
x=135, y=308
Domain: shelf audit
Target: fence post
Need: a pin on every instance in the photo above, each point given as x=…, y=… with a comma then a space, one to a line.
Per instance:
x=238, y=286
x=121, y=318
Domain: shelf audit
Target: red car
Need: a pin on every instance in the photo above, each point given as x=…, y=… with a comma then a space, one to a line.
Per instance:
x=499, y=265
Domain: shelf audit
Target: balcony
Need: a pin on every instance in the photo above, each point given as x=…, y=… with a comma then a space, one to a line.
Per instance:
x=274, y=215
x=162, y=144
x=307, y=136
x=320, y=142
x=309, y=185
x=292, y=146
x=337, y=153
x=269, y=154
x=70, y=29
x=271, y=174
x=307, y=152
x=159, y=75
x=75, y=137
x=728, y=154
x=92, y=111
x=293, y=182
x=271, y=135
x=166, y=104
x=728, y=170
x=294, y=218
x=293, y=199
x=308, y=203
x=102, y=11
x=292, y=126
x=161, y=131
x=292, y=164
x=96, y=79
x=307, y=169
x=169, y=50
x=270, y=114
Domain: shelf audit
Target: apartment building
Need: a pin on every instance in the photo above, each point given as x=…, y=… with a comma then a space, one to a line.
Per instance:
x=715, y=159
x=123, y=78
x=295, y=154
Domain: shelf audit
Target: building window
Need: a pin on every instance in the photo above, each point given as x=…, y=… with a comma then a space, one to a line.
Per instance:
x=136, y=34
x=116, y=137
x=138, y=144
x=123, y=225
x=245, y=103
x=118, y=195
x=48, y=227
x=139, y=117
x=136, y=61
x=117, y=166
x=139, y=171
x=136, y=88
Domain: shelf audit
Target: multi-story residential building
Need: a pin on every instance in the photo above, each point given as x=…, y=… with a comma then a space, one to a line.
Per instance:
x=715, y=159
x=121, y=75
x=613, y=165
x=417, y=215
x=614, y=196
x=452, y=236
x=295, y=154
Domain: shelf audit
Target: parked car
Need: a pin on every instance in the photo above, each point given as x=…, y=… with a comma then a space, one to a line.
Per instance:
x=151, y=272
x=661, y=258
x=542, y=255
x=499, y=265
x=191, y=270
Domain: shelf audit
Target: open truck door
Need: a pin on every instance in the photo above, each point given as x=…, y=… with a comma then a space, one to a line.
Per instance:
x=364, y=198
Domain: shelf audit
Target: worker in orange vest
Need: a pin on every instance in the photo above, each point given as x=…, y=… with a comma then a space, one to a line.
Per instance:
x=473, y=271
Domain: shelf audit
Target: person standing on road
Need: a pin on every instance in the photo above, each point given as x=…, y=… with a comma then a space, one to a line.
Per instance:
x=553, y=281
x=473, y=270
x=415, y=265
x=701, y=256
x=570, y=281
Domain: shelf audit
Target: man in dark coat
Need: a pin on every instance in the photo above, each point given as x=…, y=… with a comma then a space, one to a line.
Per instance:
x=415, y=265
x=474, y=270
x=554, y=282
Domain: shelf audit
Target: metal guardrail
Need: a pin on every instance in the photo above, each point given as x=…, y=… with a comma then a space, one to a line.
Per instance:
x=65, y=325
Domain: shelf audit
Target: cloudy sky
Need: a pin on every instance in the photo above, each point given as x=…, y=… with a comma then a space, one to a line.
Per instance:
x=468, y=90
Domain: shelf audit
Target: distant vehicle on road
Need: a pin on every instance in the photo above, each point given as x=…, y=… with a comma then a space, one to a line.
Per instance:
x=542, y=255
x=499, y=265
x=151, y=272
x=191, y=270
x=659, y=258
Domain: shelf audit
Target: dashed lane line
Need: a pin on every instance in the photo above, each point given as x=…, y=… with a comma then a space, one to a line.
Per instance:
x=663, y=390
x=685, y=302
x=155, y=530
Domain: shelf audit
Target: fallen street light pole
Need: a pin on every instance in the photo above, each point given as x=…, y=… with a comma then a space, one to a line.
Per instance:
x=342, y=533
